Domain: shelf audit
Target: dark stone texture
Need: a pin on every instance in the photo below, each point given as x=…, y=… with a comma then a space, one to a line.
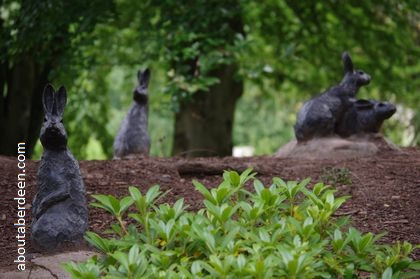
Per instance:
x=133, y=137
x=59, y=208
x=365, y=116
x=319, y=116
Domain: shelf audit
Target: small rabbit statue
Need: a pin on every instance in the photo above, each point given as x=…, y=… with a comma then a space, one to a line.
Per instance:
x=133, y=137
x=320, y=116
x=365, y=116
x=59, y=209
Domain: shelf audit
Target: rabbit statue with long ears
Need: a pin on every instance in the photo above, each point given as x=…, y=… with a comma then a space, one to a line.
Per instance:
x=59, y=209
x=320, y=116
x=133, y=137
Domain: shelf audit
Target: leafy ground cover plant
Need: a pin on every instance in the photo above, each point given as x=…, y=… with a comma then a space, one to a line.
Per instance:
x=284, y=230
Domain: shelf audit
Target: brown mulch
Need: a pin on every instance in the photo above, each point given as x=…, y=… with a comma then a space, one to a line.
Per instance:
x=385, y=189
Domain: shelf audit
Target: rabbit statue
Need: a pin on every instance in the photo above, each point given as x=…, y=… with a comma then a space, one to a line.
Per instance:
x=319, y=116
x=59, y=209
x=133, y=137
x=365, y=116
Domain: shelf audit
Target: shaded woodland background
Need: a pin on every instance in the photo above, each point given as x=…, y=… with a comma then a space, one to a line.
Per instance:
x=224, y=73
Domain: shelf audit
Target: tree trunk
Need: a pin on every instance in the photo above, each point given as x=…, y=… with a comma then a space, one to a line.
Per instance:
x=21, y=110
x=203, y=126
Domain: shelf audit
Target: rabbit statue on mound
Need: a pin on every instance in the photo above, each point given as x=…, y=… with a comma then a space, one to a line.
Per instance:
x=59, y=209
x=133, y=138
x=365, y=116
x=320, y=116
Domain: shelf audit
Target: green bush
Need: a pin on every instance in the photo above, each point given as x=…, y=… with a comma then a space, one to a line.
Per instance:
x=281, y=231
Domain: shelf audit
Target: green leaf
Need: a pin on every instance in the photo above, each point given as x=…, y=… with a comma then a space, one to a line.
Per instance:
x=259, y=267
x=117, y=229
x=105, y=202
x=203, y=190
x=100, y=243
x=196, y=268
x=125, y=203
x=220, y=194
x=179, y=207
x=258, y=186
x=319, y=188
x=135, y=193
x=264, y=236
x=227, y=212
x=133, y=255
x=234, y=178
x=152, y=194
x=365, y=242
x=241, y=260
x=304, y=182
x=246, y=175
x=415, y=265
x=330, y=199
x=213, y=209
x=210, y=241
x=387, y=274
x=122, y=258
x=411, y=274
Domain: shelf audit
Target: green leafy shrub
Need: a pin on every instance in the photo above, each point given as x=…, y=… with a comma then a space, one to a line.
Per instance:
x=281, y=231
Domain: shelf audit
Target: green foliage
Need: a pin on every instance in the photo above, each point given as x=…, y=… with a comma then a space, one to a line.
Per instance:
x=284, y=230
x=264, y=122
x=286, y=52
x=28, y=27
x=191, y=39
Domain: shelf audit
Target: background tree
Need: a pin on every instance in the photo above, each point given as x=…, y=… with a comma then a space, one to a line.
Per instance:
x=260, y=60
x=198, y=42
x=37, y=41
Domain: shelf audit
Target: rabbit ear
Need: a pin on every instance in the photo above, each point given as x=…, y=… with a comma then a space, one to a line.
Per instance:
x=60, y=100
x=363, y=104
x=144, y=77
x=347, y=63
x=48, y=99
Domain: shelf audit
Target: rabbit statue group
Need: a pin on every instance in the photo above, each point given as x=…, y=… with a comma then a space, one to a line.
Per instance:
x=59, y=209
x=337, y=112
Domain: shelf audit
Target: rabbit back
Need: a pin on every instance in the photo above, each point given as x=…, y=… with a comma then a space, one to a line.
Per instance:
x=61, y=223
x=318, y=116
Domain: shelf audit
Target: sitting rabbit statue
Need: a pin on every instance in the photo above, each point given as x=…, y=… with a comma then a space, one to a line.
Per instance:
x=133, y=138
x=320, y=116
x=365, y=116
x=59, y=209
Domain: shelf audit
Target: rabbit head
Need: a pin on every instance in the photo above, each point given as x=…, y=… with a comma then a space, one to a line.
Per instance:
x=384, y=110
x=140, y=94
x=352, y=77
x=53, y=135
x=371, y=114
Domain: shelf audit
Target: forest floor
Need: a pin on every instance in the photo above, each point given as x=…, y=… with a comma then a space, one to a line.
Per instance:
x=385, y=189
